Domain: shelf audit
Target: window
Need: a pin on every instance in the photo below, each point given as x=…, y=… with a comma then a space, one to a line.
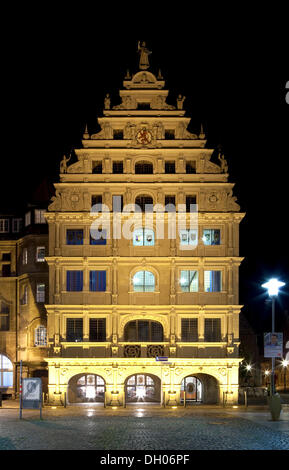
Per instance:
x=96, y=200
x=6, y=270
x=190, y=330
x=189, y=281
x=4, y=316
x=74, y=330
x=27, y=219
x=74, y=281
x=143, y=237
x=74, y=237
x=169, y=134
x=144, y=168
x=25, y=256
x=117, y=168
x=212, y=329
x=190, y=200
x=97, y=281
x=40, y=254
x=40, y=293
x=145, y=203
x=170, y=167
x=24, y=300
x=189, y=237
x=191, y=167
x=143, y=331
x=97, y=330
x=40, y=336
x=170, y=203
x=6, y=257
x=118, y=134
x=213, y=281
x=6, y=372
x=39, y=216
x=144, y=281
x=212, y=237
x=99, y=238
x=16, y=225
x=144, y=106
x=97, y=168
x=117, y=203
x=4, y=225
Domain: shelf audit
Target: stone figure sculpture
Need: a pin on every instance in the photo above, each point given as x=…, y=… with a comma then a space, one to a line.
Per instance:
x=223, y=161
x=63, y=164
x=107, y=101
x=144, y=56
x=180, y=101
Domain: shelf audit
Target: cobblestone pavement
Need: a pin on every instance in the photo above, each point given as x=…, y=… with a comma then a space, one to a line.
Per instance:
x=142, y=428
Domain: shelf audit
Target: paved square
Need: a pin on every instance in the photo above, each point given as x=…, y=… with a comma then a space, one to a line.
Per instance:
x=142, y=428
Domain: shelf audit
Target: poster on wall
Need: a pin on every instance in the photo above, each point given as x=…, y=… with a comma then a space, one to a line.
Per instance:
x=273, y=345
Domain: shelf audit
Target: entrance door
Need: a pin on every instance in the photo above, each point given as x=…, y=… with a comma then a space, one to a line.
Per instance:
x=86, y=388
x=193, y=388
x=143, y=388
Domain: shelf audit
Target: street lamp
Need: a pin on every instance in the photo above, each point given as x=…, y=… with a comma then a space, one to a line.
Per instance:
x=273, y=288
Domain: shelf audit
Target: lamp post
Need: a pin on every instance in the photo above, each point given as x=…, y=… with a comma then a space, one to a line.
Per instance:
x=274, y=400
x=273, y=288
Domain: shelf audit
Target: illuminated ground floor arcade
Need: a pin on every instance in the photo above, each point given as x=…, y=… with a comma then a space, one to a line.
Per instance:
x=81, y=381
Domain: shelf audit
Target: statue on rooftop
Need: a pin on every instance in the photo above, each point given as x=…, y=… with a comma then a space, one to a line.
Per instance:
x=180, y=101
x=144, y=56
x=223, y=161
x=107, y=102
x=63, y=164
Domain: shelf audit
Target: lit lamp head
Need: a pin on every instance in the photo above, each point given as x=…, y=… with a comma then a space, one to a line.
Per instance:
x=273, y=287
x=248, y=367
x=285, y=363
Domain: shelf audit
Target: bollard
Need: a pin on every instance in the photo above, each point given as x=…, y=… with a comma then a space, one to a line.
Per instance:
x=185, y=400
x=0, y=399
x=224, y=393
x=246, y=399
x=104, y=400
x=164, y=399
x=64, y=399
x=124, y=400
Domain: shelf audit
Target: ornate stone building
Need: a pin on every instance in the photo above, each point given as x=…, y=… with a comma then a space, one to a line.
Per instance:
x=148, y=318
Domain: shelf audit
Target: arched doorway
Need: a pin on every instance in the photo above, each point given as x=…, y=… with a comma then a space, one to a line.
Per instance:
x=143, y=388
x=200, y=388
x=193, y=388
x=86, y=388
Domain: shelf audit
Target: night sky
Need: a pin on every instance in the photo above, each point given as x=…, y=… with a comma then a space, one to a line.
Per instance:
x=237, y=92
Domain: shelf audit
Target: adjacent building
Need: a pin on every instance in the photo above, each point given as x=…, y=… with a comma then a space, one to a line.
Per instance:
x=23, y=293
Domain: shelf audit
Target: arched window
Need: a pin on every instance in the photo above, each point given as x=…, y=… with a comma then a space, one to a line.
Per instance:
x=144, y=281
x=143, y=331
x=143, y=237
x=40, y=336
x=6, y=372
x=145, y=203
x=144, y=168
